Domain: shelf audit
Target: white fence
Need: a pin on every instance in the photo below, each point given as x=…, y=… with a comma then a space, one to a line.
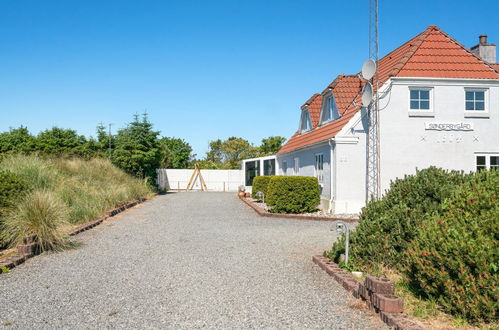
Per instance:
x=216, y=180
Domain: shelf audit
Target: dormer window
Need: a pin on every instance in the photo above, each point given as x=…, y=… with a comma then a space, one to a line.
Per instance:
x=305, y=122
x=329, y=109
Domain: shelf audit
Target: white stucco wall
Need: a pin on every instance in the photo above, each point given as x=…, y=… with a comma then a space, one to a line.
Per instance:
x=216, y=180
x=407, y=145
x=307, y=167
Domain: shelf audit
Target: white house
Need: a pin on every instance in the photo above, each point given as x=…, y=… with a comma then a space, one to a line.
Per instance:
x=439, y=105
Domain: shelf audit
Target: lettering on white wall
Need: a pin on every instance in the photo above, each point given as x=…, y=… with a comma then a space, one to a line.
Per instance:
x=448, y=126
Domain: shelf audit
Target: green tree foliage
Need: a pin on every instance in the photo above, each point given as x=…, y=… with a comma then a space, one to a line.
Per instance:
x=271, y=145
x=12, y=187
x=17, y=140
x=137, y=149
x=175, y=153
x=228, y=153
x=235, y=149
x=58, y=141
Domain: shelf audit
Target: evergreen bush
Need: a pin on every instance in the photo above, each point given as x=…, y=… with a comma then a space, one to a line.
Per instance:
x=388, y=225
x=293, y=194
x=455, y=256
x=260, y=183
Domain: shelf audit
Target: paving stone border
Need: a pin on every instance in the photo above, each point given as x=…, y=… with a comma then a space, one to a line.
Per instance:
x=376, y=292
x=263, y=213
x=30, y=248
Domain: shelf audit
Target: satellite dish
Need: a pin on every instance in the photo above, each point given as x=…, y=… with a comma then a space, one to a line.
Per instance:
x=368, y=69
x=367, y=94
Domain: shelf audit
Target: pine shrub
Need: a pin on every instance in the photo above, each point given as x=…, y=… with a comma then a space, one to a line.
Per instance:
x=455, y=256
x=293, y=194
x=388, y=225
x=260, y=183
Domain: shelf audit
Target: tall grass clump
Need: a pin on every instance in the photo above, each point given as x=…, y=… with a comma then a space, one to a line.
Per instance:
x=84, y=189
x=42, y=214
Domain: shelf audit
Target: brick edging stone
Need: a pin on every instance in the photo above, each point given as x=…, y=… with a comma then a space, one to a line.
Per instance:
x=30, y=248
x=376, y=292
x=261, y=212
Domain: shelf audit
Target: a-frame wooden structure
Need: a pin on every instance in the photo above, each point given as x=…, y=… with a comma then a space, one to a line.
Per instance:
x=196, y=172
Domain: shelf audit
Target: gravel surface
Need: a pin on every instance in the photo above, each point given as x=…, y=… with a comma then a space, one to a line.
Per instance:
x=184, y=260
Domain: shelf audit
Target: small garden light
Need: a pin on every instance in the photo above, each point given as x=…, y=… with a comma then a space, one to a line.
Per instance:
x=341, y=227
x=261, y=196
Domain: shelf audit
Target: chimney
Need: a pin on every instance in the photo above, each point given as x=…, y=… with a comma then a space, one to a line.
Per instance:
x=485, y=50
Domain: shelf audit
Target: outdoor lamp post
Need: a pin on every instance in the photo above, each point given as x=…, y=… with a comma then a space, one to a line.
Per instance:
x=341, y=227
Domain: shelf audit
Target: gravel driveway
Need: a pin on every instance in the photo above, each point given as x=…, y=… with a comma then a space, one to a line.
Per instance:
x=184, y=260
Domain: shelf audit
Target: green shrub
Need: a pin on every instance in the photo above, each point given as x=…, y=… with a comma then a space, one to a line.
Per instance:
x=388, y=225
x=455, y=257
x=12, y=187
x=260, y=183
x=41, y=214
x=293, y=194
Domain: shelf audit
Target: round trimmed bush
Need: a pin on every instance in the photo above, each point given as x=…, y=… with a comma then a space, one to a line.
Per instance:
x=293, y=194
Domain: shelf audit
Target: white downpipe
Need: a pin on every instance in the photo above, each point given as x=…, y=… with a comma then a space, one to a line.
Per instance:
x=332, y=175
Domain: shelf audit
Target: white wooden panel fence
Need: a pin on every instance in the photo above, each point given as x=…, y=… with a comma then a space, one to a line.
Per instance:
x=216, y=180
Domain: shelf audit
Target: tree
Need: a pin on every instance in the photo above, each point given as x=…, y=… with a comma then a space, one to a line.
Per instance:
x=215, y=152
x=17, y=140
x=271, y=145
x=235, y=149
x=137, y=149
x=60, y=141
x=176, y=153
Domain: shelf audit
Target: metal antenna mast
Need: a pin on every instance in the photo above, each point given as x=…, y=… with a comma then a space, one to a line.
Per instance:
x=373, y=189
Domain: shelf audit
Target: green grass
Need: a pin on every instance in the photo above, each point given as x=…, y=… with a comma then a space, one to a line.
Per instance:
x=64, y=192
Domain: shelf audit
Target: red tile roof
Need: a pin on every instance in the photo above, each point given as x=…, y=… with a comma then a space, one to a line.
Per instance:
x=314, y=108
x=432, y=53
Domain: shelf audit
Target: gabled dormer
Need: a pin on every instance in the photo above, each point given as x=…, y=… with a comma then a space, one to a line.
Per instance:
x=329, y=110
x=305, y=121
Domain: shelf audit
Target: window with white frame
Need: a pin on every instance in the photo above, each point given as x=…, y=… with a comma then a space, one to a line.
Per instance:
x=329, y=109
x=475, y=100
x=319, y=167
x=490, y=161
x=420, y=99
x=305, y=122
x=297, y=165
x=284, y=166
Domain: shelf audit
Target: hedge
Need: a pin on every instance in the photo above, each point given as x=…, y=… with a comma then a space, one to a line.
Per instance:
x=455, y=257
x=293, y=194
x=260, y=183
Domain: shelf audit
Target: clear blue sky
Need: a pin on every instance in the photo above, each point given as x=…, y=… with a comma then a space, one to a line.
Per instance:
x=202, y=69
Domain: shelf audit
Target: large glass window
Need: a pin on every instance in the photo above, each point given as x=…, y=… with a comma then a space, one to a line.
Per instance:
x=484, y=162
x=252, y=169
x=269, y=167
x=319, y=167
x=420, y=99
x=329, y=110
x=475, y=100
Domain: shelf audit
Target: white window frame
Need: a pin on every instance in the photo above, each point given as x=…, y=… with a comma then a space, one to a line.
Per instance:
x=284, y=167
x=326, y=100
x=319, y=167
x=421, y=112
x=305, y=122
x=296, y=165
x=477, y=113
x=488, y=157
